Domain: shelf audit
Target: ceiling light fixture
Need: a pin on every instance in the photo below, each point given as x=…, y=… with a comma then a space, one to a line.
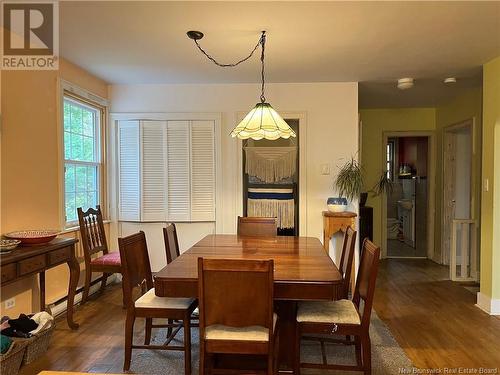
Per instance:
x=262, y=122
x=405, y=83
x=450, y=80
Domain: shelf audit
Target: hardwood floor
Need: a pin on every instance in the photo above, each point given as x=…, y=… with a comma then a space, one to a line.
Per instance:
x=433, y=319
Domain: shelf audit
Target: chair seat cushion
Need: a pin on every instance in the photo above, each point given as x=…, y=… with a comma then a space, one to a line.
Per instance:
x=342, y=312
x=250, y=333
x=109, y=259
x=150, y=300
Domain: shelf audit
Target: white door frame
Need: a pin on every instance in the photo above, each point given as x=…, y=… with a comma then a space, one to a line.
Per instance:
x=431, y=185
x=469, y=123
x=301, y=117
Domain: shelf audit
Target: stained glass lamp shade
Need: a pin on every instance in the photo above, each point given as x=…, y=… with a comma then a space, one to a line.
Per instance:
x=263, y=122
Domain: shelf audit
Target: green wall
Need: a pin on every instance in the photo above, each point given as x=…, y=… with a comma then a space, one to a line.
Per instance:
x=374, y=123
x=490, y=213
x=467, y=105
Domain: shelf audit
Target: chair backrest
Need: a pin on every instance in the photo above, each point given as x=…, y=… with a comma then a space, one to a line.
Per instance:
x=171, y=242
x=346, y=258
x=257, y=226
x=136, y=269
x=235, y=293
x=367, y=278
x=92, y=231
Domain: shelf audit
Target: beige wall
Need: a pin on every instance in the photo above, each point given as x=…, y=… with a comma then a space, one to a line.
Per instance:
x=31, y=163
x=490, y=200
x=330, y=111
x=375, y=122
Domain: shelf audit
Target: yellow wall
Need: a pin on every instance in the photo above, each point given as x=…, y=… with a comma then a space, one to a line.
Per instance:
x=465, y=106
x=375, y=122
x=490, y=200
x=31, y=171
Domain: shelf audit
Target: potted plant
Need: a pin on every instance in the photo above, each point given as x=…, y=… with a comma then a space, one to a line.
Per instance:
x=349, y=185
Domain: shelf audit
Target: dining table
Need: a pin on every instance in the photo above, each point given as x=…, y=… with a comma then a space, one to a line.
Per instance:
x=303, y=271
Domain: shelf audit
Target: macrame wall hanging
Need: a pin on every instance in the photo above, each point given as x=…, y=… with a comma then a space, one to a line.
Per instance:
x=272, y=202
x=271, y=164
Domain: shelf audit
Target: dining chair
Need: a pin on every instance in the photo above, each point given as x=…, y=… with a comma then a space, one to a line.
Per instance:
x=171, y=242
x=94, y=241
x=257, y=226
x=343, y=317
x=236, y=313
x=172, y=252
x=137, y=273
x=346, y=260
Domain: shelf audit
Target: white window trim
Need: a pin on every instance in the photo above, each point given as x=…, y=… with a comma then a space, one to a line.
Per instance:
x=162, y=116
x=65, y=86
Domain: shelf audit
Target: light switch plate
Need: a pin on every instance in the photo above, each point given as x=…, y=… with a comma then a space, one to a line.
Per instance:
x=325, y=169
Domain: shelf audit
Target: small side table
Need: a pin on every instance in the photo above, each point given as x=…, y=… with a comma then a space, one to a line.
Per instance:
x=334, y=222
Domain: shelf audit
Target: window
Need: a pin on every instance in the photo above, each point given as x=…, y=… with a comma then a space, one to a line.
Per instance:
x=82, y=156
x=390, y=160
x=166, y=170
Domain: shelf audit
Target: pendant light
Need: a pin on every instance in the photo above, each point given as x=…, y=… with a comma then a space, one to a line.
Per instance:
x=262, y=122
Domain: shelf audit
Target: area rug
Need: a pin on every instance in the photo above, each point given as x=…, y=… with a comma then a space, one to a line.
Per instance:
x=387, y=356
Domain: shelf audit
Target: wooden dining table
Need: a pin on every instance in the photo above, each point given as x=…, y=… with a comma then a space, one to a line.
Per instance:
x=302, y=271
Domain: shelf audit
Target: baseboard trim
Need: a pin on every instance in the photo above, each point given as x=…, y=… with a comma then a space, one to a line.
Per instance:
x=487, y=304
x=60, y=307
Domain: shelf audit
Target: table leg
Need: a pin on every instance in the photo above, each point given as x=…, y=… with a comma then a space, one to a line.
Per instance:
x=74, y=274
x=41, y=278
x=287, y=311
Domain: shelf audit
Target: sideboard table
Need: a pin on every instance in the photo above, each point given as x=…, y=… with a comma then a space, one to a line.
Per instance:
x=25, y=261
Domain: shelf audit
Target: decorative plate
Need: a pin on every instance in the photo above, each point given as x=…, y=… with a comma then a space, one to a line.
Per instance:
x=7, y=245
x=33, y=237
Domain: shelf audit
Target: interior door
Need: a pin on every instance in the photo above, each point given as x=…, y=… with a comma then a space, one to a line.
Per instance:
x=449, y=198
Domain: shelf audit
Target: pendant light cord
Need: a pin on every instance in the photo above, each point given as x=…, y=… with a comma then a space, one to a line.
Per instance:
x=262, y=71
x=261, y=42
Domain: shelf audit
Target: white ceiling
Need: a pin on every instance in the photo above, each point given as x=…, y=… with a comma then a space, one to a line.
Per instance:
x=371, y=42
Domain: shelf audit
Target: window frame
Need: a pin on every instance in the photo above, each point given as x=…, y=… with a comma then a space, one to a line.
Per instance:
x=391, y=159
x=84, y=99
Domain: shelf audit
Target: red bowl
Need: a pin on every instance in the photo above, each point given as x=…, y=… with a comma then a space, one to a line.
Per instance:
x=33, y=237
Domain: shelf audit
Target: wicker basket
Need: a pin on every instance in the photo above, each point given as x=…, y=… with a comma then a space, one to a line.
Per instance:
x=38, y=344
x=10, y=362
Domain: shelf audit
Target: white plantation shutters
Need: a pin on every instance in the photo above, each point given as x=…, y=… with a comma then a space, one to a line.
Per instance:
x=202, y=171
x=178, y=166
x=129, y=167
x=167, y=170
x=154, y=199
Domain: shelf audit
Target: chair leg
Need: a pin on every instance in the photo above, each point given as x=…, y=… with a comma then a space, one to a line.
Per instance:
x=86, y=288
x=169, y=329
x=129, y=335
x=104, y=280
x=202, y=357
x=367, y=354
x=187, y=345
x=296, y=369
x=357, y=345
x=276, y=353
x=270, y=361
x=147, y=331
